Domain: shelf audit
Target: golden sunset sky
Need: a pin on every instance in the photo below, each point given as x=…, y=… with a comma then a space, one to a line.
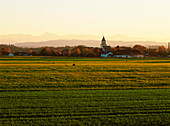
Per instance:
x=136, y=18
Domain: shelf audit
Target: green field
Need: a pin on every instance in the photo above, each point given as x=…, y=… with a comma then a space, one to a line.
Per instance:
x=97, y=91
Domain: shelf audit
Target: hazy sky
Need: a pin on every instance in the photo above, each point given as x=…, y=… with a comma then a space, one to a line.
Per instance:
x=137, y=18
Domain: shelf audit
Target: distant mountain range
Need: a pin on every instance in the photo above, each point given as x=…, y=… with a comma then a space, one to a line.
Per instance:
x=89, y=43
x=17, y=38
x=53, y=40
x=59, y=43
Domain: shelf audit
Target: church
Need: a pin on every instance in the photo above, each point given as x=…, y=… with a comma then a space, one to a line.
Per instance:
x=106, y=50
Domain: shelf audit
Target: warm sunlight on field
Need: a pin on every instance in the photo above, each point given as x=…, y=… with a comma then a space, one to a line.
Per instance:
x=59, y=74
x=50, y=91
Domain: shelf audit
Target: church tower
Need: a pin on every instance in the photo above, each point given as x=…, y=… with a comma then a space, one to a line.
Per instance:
x=103, y=42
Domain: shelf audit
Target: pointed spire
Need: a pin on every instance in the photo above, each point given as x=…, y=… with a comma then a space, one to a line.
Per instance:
x=103, y=39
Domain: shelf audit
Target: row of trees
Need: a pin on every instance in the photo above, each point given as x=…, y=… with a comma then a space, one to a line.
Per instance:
x=67, y=51
x=85, y=51
x=76, y=51
x=161, y=51
x=5, y=51
x=96, y=52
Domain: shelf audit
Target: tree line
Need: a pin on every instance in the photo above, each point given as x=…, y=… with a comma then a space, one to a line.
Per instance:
x=78, y=51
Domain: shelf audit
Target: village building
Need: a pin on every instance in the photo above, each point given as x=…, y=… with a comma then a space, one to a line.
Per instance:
x=11, y=54
x=106, y=50
x=121, y=52
x=128, y=54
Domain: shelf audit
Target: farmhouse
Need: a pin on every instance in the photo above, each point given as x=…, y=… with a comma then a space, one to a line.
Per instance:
x=128, y=54
x=137, y=54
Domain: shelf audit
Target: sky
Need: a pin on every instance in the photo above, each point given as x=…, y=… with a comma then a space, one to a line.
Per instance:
x=135, y=18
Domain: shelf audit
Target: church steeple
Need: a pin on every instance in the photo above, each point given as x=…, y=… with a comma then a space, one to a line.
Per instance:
x=106, y=49
x=103, y=42
x=103, y=39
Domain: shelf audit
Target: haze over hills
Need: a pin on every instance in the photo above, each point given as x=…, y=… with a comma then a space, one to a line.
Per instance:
x=17, y=38
x=89, y=43
x=53, y=40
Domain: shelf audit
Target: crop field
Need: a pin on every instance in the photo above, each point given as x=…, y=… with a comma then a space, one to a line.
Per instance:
x=86, y=107
x=59, y=74
x=97, y=91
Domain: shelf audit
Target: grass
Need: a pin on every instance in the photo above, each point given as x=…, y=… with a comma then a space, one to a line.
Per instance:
x=97, y=91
